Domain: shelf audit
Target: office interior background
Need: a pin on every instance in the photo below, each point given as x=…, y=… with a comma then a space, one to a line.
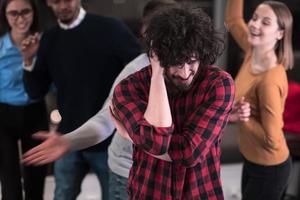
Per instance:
x=130, y=11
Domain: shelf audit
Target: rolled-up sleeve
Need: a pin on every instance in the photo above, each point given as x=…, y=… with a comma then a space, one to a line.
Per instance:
x=130, y=101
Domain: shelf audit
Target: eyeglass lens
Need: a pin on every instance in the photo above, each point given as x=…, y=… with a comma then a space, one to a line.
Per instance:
x=15, y=13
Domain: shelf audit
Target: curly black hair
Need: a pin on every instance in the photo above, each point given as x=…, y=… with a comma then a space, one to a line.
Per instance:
x=182, y=31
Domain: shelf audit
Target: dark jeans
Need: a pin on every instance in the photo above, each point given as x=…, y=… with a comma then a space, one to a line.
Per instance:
x=117, y=187
x=70, y=170
x=265, y=182
x=18, y=123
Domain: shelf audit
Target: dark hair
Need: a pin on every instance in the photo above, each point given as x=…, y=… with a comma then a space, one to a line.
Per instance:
x=153, y=5
x=149, y=9
x=177, y=33
x=284, y=47
x=4, y=26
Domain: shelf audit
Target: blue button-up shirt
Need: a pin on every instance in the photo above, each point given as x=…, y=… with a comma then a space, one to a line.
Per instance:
x=11, y=74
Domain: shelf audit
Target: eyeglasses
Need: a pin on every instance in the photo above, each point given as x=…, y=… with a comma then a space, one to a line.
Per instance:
x=14, y=14
x=190, y=63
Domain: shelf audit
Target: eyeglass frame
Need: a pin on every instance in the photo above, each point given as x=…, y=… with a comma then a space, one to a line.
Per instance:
x=15, y=14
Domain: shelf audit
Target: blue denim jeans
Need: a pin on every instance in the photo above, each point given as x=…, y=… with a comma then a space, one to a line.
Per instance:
x=70, y=170
x=118, y=187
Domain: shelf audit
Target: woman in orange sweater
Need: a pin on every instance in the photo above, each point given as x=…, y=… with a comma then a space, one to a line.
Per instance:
x=262, y=81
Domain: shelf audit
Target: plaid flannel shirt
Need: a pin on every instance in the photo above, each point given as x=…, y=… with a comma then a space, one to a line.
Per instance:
x=193, y=141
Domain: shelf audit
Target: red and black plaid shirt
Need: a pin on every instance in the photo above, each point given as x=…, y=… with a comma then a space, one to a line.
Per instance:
x=193, y=142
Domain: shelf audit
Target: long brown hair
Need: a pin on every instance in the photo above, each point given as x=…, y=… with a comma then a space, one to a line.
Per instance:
x=4, y=26
x=284, y=48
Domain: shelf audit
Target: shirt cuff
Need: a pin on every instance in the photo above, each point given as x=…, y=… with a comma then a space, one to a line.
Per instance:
x=163, y=131
x=30, y=67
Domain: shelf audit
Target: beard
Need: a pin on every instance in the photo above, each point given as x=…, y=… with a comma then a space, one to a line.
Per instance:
x=67, y=16
x=66, y=20
x=179, y=83
x=183, y=87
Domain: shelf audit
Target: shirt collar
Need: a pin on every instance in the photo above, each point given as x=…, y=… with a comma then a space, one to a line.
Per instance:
x=7, y=42
x=76, y=22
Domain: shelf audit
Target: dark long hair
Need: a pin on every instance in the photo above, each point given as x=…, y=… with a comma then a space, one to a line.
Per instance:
x=4, y=26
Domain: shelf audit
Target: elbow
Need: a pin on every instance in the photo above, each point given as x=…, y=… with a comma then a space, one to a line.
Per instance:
x=159, y=151
x=156, y=148
x=35, y=95
x=152, y=139
x=273, y=145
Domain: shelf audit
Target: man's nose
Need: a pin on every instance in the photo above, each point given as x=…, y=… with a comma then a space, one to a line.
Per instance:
x=184, y=71
x=62, y=5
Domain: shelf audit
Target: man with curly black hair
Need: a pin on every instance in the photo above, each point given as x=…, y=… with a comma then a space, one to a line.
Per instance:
x=175, y=110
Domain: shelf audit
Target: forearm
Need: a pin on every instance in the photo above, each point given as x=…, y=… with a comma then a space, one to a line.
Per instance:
x=191, y=147
x=29, y=65
x=94, y=131
x=234, y=10
x=130, y=102
x=235, y=23
x=152, y=139
x=158, y=111
x=271, y=106
x=269, y=140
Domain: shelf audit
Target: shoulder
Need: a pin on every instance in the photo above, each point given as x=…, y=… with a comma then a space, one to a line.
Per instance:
x=216, y=82
x=279, y=71
x=139, y=62
x=4, y=40
x=216, y=74
x=274, y=79
x=136, y=85
x=52, y=30
x=276, y=75
x=141, y=75
x=1, y=42
x=104, y=21
x=140, y=78
x=50, y=33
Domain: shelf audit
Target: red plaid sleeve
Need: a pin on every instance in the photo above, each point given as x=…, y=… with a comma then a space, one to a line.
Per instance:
x=130, y=101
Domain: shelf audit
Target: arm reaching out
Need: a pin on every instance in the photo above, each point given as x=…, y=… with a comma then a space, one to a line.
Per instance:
x=92, y=132
x=123, y=132
x=235, y=23
x=53, y=148
x=158, y=114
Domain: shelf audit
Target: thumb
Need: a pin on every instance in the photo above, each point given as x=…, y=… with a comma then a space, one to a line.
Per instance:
x=242, y=99
x=36, y=34
x=41, y=135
